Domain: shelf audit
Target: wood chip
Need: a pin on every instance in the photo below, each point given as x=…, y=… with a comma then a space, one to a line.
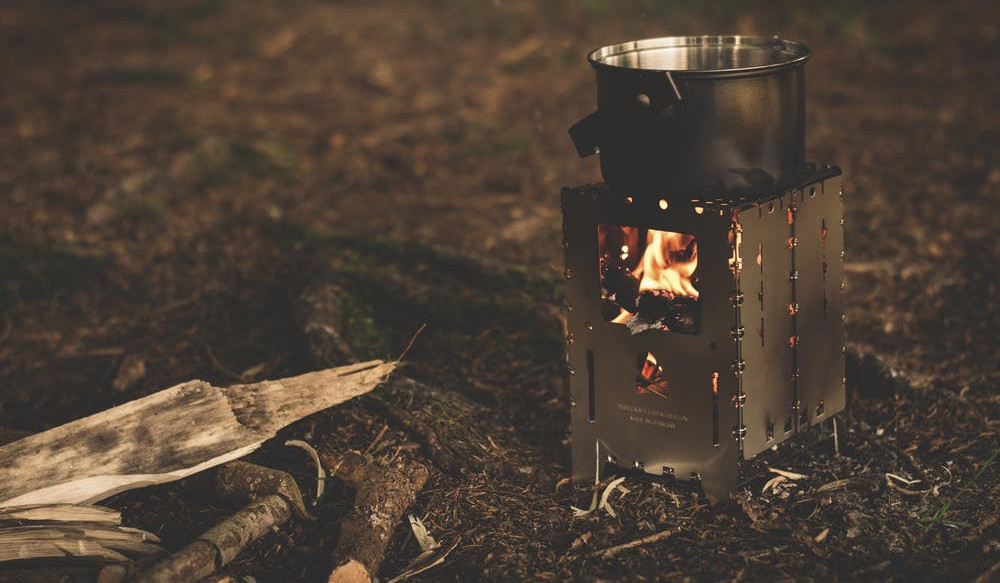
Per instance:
x=787, y=474
x=834, y=485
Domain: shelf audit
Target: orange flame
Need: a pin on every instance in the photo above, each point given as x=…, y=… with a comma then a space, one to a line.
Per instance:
x=668, y=264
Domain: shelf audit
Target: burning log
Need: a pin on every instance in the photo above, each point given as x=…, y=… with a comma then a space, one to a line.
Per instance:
x=168, y=435
x=665, y=311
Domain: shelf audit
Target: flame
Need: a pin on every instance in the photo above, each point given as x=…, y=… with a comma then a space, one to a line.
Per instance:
x=650, y=379
x=668, y=264
x=622, y=317
x=662, y=262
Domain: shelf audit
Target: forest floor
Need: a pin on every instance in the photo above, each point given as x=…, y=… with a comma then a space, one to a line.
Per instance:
x=174, y=175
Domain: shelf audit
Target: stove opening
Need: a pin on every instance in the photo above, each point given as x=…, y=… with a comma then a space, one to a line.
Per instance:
x=650, y=378
x=648, y=279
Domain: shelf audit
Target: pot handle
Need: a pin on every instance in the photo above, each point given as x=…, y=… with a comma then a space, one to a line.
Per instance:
x=587, y=134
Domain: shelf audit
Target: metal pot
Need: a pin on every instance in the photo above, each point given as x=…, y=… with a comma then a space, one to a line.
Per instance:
x=704, y=117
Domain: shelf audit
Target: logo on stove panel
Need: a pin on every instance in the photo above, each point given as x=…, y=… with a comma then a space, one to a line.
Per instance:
x=651, y=417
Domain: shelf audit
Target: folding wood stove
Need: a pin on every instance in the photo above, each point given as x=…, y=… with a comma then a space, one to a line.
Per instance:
x=701, y=333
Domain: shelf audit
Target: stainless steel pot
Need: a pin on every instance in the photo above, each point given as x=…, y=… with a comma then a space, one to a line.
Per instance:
x=698, y=117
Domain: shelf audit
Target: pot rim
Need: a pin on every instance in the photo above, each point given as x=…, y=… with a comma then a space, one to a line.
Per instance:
x=798, y=54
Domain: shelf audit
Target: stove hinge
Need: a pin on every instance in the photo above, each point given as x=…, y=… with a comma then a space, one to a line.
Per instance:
x=737, y=332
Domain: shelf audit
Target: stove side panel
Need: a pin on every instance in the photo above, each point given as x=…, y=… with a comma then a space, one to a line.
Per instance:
x=768, y=324
x=820, y=326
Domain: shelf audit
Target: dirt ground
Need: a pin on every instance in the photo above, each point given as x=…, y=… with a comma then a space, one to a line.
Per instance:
x=174, y=174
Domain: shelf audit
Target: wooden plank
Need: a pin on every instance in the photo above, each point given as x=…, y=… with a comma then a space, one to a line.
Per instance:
x=168, y=435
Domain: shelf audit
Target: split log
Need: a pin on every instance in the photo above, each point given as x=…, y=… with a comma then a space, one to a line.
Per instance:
x=66, y=530
x=382, y=495
x=168, y=435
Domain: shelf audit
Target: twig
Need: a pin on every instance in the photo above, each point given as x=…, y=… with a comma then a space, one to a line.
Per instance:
x=612, y=551
x=415, y=567
x=412, y=340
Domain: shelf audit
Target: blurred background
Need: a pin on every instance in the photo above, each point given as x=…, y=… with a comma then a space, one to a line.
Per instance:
x=149, y=147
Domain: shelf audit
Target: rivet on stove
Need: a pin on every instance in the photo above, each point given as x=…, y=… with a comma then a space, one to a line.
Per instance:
x=664, y=205
x=642, y=100
x=571, y=371
x=812, y=191
x=739, y=365
x=739, y=399
x=638, y=465
x=843, y=255
x=737, y=332
x=628, y=200
x=740, y=433
x=736, y=298
x=568, y=273
x=793, y=242
x=569, y=306
x=794, y=377
x=565, y=243
x=843, y=286
x=570, y=338
x=588, y=326
x=696, y=476
x=793, y=275
x=793, y=308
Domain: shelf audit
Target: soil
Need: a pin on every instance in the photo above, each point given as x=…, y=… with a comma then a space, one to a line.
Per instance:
x=174, y=175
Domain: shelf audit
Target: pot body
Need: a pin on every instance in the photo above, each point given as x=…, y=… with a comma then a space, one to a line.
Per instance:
x=728, y=121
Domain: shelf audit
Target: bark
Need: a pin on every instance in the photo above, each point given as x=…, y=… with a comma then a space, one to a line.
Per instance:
x=382, y=495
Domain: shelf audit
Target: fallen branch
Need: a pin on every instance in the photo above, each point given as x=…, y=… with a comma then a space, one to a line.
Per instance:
x=168, y=435
x=382, y=495
x=221, y=544
x=612, y=551
x=275, y=496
